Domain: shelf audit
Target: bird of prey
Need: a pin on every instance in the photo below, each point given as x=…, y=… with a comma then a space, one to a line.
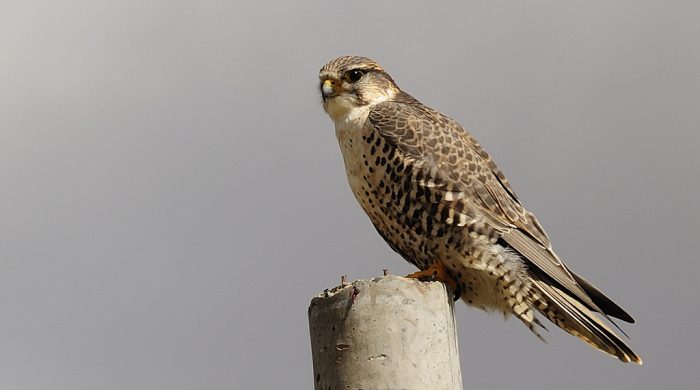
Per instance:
x=438, y=199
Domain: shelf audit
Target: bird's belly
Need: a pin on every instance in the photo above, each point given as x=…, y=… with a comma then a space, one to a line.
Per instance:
x=371, y=168
x=370, y=165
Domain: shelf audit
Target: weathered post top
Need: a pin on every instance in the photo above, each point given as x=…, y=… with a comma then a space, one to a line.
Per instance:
x=385, y=333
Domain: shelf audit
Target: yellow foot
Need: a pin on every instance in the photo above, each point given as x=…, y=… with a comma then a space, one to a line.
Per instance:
x=437, y=272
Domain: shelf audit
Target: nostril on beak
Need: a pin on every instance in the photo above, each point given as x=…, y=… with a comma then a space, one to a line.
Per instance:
x=328, y=88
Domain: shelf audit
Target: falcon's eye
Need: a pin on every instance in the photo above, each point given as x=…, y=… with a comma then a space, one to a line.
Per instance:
x=354, y=75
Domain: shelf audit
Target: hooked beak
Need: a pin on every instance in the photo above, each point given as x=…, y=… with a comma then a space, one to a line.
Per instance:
x=328, y=88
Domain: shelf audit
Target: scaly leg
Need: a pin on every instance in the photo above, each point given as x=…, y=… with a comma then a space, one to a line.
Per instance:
x=437, y=272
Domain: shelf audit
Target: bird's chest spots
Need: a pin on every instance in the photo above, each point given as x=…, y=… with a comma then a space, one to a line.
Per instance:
x=378, y=179
x=359, y=149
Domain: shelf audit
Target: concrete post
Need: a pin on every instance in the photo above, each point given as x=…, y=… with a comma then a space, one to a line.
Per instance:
x=385, y=333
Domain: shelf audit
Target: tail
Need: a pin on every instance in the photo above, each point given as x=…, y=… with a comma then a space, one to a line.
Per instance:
x=569, y=314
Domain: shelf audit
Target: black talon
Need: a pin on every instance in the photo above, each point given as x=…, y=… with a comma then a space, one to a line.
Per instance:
x=458, y=293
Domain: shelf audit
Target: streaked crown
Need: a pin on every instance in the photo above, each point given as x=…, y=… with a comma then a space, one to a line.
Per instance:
x=353, y=82
x=340, y=65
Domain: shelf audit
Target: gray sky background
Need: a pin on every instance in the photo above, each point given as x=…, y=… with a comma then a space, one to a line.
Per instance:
x=172, y=193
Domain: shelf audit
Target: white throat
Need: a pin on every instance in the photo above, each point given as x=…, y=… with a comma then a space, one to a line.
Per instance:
x=353, y=120
x=347, y=114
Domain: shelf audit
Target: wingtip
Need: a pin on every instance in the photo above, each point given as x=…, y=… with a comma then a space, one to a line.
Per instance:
x=608, y=306
x=578, y=320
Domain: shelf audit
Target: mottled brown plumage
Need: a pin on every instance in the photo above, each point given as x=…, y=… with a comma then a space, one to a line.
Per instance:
x=435, y=195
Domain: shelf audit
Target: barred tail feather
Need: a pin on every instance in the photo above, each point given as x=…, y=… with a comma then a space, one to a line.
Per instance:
x=569, y=314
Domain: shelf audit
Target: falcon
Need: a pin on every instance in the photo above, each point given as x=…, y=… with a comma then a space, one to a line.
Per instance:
x=438, y=199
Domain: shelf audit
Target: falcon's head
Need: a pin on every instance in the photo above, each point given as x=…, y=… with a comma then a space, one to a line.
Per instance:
x=351, y=82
